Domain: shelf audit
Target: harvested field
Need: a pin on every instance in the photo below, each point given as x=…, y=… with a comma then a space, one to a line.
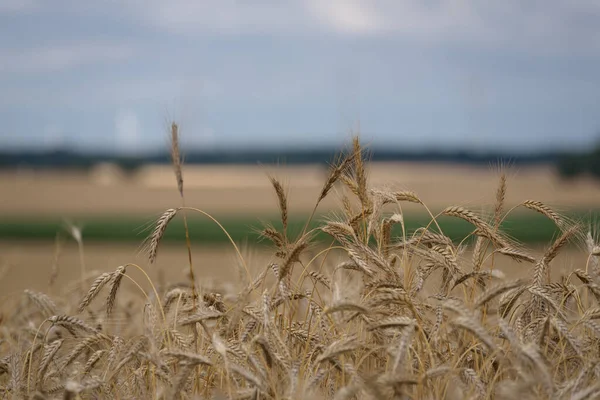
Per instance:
x=245, y=190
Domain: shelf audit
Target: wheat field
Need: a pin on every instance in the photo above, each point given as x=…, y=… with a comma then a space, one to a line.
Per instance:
x=362, y=315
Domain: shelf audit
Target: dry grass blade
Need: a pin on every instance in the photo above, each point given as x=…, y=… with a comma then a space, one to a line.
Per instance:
x=91, y=362
x=159, y=231
x=72, y=324
x=320, y=278
x=483, y=227
x=360, y=174
x=469, y=322
x=334, y=174
x=478, y=253
x=358, y=263
x=478, y=276
x=386, y=231
x=544, y=210
x=471, y=377
x=542, y=268
x=94, y=290
x=85, y=344
x=509, y=300
x=248, y=376
x=393, y=197
x=341, y=231
x=476, y=329
x=545, y=295
x=560, y=242
x=516, y=254
x=274, y=236
x=189, y=358
x=394, y=322
x=469, y=216
x=562, y=327
x=283, y=203
x=114, y=287
x=532, y=353
x=500, y=197
x=592, y=392
x=180, y=380
x=594, y=250
x=200, y=317
x=43, y=302
x=49, y=353
x=589, y=282
x=341, y=307
x=176, y=157
x=335, y=349
x=350, y=183
x=293, y=257
x=495, y=291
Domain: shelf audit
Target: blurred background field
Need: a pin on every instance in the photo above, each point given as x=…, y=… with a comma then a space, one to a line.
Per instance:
x=116, y=209
x=242, y=190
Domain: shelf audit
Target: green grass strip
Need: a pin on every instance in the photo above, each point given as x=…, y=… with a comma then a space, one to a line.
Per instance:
x=525, y=227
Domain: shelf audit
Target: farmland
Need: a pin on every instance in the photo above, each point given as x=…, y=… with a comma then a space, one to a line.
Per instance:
x=245, y=190
x=406, y=285
x=118, y=209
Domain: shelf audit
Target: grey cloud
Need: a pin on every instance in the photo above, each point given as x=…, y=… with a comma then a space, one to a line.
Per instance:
x=552, y=25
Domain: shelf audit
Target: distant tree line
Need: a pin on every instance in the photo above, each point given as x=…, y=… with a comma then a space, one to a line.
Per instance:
x=69, y=159
x=572, y=165
x=569, y=165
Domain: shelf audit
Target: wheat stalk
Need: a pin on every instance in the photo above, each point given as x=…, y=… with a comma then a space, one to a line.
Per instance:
x=115, y=283
x=158, y=233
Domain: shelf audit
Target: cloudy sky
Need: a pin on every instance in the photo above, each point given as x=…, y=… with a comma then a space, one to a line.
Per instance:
x=110, y=74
